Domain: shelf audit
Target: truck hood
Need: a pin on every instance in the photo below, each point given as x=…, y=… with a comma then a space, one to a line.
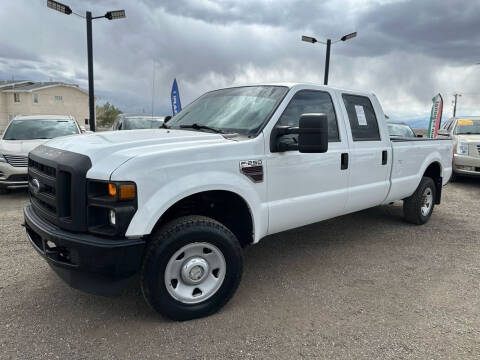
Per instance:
x=108, y=150
x=19, y=147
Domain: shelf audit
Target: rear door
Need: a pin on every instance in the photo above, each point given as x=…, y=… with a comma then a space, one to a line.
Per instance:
x=305, y=188
x=370, y=152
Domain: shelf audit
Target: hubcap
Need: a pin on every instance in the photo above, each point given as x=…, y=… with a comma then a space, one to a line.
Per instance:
x=195, y=272
x=427, y=201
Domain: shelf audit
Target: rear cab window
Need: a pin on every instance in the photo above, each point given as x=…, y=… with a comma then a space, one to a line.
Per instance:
x=362, y=118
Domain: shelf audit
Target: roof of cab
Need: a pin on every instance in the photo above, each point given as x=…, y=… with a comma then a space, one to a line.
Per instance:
x=291, y=85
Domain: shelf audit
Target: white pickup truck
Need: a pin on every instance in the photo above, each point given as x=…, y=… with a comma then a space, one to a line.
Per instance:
x=178, y=204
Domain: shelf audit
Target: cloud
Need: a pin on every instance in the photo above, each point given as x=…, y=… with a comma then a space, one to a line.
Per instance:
x=405, y=52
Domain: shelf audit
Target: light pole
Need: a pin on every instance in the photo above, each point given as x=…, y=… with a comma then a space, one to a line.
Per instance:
x=110, y=15
x=329, y=44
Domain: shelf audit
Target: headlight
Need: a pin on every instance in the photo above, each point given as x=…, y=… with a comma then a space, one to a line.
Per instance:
x=2, y=159
x=462, y=148
x=111, y=206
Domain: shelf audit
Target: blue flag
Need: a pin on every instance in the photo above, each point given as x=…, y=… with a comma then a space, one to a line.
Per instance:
x=175, y=96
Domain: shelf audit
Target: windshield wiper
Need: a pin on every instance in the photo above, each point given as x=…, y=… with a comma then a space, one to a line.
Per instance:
x=195, y=126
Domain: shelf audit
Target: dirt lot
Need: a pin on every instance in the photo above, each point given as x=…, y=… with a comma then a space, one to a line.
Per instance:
x=363, y=286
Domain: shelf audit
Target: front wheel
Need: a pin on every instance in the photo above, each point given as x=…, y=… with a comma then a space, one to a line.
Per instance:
x=192, y=267
x=418, y=208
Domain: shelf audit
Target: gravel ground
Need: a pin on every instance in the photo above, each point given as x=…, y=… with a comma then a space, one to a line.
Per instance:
x=363, y=286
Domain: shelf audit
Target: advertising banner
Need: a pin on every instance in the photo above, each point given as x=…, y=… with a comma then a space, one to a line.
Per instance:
x=175, y=96
x=435, y=117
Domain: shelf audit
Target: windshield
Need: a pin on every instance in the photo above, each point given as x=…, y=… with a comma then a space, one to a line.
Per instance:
x=240, y=110
x=132, y=123
x=468, y=127
x=39, y=129
x=400, y=130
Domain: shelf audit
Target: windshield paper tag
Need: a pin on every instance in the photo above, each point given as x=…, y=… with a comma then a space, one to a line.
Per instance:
x=362, y=120
x=465, y=122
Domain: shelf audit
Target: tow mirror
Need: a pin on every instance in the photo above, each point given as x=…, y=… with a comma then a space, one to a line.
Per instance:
x=312, y=135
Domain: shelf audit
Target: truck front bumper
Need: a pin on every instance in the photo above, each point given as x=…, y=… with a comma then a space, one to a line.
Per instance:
x=466, y=165
x=97, y=265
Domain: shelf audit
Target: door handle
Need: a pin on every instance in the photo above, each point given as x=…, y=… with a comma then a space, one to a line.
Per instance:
x=344, y=161
x=384, y=157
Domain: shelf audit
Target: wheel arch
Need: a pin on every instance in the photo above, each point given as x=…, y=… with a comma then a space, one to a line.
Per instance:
x=225, y=206
x=434, y=171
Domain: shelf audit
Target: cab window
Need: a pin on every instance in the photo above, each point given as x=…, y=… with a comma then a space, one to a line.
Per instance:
x=310, y=101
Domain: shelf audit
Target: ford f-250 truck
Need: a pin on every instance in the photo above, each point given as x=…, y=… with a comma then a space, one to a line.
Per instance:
x=178, y=204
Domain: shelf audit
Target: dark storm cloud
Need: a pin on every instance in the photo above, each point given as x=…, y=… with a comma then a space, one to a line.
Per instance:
x=406, y=51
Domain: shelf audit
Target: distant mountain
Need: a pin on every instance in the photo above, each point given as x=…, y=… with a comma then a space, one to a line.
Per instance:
x=418, y=122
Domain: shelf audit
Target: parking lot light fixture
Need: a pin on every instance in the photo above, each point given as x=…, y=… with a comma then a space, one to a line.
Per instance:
x=329, y=42
x=348, y=36
x=309, y=39
x=117, y=14
x=110, y=15
x=59, y=7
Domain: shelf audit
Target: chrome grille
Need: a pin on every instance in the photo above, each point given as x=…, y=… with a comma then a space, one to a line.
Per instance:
x=17, y=160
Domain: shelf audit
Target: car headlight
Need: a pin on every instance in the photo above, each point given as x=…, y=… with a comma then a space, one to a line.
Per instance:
x=462, y=148
x=2, y=159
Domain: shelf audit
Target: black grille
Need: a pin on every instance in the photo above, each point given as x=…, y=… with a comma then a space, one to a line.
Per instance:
x=57, y=186
x=47, y=170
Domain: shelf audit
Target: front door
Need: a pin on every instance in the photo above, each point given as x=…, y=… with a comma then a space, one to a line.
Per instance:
x=306, y=188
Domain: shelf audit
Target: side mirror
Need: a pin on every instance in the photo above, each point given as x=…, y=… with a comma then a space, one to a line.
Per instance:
x=443, y=132
x=82, y=129
x=312, y=135
x=419, y=135
x=167, y=119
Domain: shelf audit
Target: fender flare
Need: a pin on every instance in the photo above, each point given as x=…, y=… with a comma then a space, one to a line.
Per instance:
x=152, y=208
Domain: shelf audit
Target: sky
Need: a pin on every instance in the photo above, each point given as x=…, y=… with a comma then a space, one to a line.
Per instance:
x=406, y=51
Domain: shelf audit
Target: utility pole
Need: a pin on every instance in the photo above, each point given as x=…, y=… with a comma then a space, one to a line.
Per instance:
x=110, y=15
x=327, y=62
x=329, y=43
x=91, y=96
x=455, y=104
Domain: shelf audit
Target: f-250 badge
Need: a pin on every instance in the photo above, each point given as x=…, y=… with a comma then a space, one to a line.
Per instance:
x=253, y=169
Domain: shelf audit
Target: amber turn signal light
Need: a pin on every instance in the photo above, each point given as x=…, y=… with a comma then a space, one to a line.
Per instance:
x=127, y=192
x=112, y=190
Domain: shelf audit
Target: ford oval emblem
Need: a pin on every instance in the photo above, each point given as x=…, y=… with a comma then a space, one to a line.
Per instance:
x=35, y=186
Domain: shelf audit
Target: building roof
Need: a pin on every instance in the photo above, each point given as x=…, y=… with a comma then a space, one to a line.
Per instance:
x=29, y=86
x=9, y=84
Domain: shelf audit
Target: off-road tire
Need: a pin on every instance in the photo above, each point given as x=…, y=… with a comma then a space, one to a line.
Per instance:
x=412, y=206
x=162, y=246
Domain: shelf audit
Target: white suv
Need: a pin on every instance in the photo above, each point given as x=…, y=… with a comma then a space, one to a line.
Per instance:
x=23, y=134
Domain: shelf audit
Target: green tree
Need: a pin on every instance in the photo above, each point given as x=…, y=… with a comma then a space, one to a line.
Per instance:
x=106, y=114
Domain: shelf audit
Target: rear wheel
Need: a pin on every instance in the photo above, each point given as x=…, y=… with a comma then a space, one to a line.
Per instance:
x=418, y=208
x=192, y=267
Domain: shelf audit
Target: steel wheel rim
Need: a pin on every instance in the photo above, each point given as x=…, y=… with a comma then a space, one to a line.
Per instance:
x=195, y=272
x=427, y=201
